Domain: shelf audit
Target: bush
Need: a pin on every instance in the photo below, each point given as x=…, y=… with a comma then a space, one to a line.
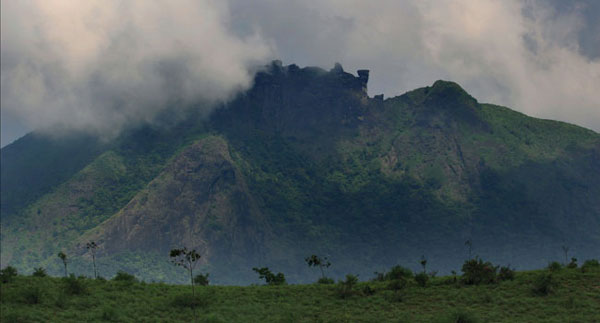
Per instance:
x=201, y=279
x=269, y=277
x=39, y=272
x=398, y=272
x=554, y=266
x=590, y=265
x=8, y=274
x=422, y=279
x=32, y=295
x=476, y=271
x=543, y=285
x=325, y=281
x=572, y=264
x=122, y=276
x=368, y=291
x=74, y=286
x=506, y=273
x=460, y=316
x=190, y=301
x=397, y=284
x=110, y=314
x=346, y=287
x=61, y=301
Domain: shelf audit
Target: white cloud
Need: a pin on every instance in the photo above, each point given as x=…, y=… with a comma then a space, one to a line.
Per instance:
x=102, y=65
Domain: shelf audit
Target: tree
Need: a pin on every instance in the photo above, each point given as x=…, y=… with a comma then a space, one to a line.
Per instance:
x=8, y=274
x=316, y=261
x=424, y=263
x=64, y=259
x=187, y=259
x=92, y=247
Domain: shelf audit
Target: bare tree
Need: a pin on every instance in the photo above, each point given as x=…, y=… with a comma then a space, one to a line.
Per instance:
x=187, y=259
x=64, y=259
x=316, y=261
x=424, y=263
x=92, y=246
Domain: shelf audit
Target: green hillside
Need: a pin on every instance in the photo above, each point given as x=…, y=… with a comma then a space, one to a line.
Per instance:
x=570, y=295
x=305, y=162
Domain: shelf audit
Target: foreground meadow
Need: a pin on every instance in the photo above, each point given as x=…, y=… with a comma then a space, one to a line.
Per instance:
x=569, y=295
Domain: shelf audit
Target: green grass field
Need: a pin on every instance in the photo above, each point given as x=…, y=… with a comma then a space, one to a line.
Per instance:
x=574, y=296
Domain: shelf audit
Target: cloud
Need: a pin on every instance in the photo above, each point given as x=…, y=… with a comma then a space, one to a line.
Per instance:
x=102, y=65
x=533, y=56
x=105, y=64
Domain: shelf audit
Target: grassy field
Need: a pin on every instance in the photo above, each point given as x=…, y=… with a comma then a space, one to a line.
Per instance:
x=573, y=296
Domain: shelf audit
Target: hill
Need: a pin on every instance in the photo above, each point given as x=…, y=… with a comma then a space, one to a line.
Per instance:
x=305, y=162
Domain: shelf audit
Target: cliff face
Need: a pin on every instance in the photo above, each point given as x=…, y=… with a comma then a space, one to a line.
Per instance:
x=305, y=162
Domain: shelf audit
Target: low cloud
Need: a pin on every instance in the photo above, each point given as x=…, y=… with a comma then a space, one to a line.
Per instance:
x=102, y=65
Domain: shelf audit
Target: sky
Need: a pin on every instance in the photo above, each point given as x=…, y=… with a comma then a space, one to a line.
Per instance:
x=104, y=65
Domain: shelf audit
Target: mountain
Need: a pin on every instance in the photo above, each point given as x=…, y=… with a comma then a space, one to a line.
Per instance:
x=305, y=162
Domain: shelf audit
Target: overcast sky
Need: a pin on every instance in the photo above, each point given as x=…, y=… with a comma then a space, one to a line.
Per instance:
x=103, y=65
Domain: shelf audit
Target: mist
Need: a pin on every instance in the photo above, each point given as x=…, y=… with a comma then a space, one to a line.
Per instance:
x=102, y=66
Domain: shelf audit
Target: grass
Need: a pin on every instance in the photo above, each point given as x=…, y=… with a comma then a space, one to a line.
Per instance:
x=574, y=298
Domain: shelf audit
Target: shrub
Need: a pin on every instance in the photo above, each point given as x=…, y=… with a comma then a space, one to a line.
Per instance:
x=122, y=276
x=397, y=284
x=191, y=301
x=325, y=281
x=74, y=286
x=201, y=279
x=379, y=277
x=572, y=264
x=460, y=316
x=269, y=277
x=8, y=274
x=398, y=272
x=422, y=279
x=506, y=273
x=61, y=301
x=39, y=272
x=476, y=271
x=590, y=265
x=32, y=295
x=543, y=285
x=346, y=287
x=554, y=266
x=368, y=291
x=110, y=314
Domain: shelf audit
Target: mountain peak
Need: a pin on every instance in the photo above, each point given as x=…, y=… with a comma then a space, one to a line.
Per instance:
x=449, y=94
x=447, y=102
x=277, y=73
